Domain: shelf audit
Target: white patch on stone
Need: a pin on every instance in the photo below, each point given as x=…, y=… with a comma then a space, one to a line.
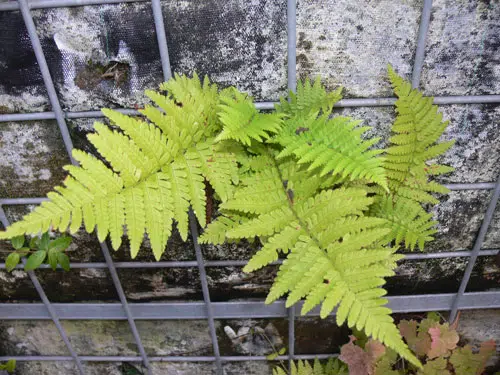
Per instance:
x=18, y=144
x=27, y=101
x=44, y=174
x=93, y=273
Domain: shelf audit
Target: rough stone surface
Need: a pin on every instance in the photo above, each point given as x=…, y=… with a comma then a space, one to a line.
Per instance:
x=171, y=368
x=462, y=52
x=240, y=43
x=107, y=55
x=459, y=216
x=32, y=156
x=476, y=152
x=350, y=43
x=476, y=326
x=160, y=338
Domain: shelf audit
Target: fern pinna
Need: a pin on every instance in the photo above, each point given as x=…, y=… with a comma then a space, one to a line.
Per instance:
x=308, y=184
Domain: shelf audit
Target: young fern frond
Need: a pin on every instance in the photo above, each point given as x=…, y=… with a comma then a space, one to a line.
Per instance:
x=243, y=122
x=408, y=221
x=309, y=99
x=332, y=367
x=416, y=131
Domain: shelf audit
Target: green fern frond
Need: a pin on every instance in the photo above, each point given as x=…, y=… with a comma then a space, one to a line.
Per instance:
x=196, y=94
x=309, y=99
x=157, y=171
x=176, y=174
x=258, y=193
x=216, y=231
x=334, y=146
x=243, y=122
x=218, y=165
x=408, y=221
x=332, y=367
x=409, y=167
x=417, y=129
x=316, y=257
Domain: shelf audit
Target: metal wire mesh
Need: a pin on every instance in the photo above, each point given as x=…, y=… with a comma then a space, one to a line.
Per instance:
x=213, y=310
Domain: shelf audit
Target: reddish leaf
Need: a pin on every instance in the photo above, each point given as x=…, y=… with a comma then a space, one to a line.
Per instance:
x=420, y=342
x=375, y=350
x=442, y=341
x=359, y=361
x=354, y=357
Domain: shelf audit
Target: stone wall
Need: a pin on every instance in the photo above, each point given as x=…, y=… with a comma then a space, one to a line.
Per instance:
x=107, y=55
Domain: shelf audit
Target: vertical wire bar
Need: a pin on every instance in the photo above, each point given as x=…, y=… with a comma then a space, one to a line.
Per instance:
x=68, y=144
x=47, y=79
x=125, y=305
x=206, y=292
x=422, y=36
x=291, y=333
x=475, y=251
x=291, y=15
x=48, y=305
x=162, y=39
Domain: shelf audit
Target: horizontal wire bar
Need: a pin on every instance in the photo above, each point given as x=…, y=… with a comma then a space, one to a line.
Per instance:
x=367, y=102
x=471, y=186
x=44, y=4
x=455, y=187
x=242, y=358
x=439, y=100
x=230, y=310
x=242, y=263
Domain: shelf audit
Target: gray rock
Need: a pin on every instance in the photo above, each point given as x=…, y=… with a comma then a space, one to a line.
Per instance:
x=171, y=368
x=350, y=44
x=462, y=51
x=32, y=158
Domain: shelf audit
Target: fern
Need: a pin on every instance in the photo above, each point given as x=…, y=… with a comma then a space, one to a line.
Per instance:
x=306, y=183
x=329, y=243
x=156, y=172
x=309, y=99
x=333, y=146
x=243, y=122
x=332, y=367
x=408, y=164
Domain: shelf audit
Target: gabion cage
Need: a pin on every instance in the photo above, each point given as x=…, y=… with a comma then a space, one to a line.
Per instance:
x=206, y=309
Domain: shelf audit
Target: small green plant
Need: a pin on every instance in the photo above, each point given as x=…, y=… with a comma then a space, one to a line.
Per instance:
x=332, y=367
x=9, y=366
x=39, y=250
x=309, y=185
x=434, y=343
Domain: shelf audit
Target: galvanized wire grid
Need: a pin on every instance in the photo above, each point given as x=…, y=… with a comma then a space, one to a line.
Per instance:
x=207, y=309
